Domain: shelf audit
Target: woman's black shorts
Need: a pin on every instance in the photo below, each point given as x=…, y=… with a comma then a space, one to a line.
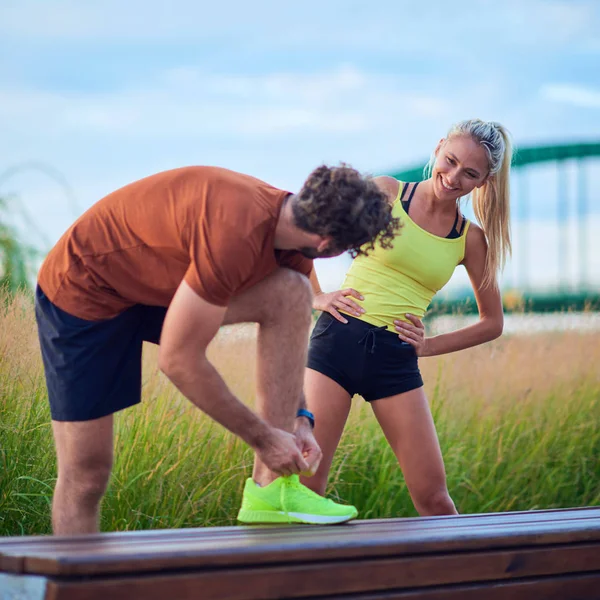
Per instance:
x=363, y=358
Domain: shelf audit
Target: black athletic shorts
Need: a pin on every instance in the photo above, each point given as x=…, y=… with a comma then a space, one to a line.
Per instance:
x=364, y=359
x=94, y=368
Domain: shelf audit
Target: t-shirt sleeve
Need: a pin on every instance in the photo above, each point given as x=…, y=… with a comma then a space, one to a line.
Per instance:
x=292, y=259
x=220, y=264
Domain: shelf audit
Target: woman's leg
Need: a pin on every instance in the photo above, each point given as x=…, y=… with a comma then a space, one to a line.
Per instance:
x=330, y=403
x=408, y=426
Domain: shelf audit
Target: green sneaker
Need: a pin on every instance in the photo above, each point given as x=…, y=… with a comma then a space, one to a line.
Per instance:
x=286, y=500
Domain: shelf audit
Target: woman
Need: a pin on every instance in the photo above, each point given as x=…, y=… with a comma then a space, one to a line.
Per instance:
x=370, y=336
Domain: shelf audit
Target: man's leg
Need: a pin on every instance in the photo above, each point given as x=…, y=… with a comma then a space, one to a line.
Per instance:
x=93, y=369
x=281, y=305
x=84, y=451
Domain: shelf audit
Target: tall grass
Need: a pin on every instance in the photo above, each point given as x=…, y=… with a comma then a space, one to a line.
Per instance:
x=517, y=420
x=17, y=259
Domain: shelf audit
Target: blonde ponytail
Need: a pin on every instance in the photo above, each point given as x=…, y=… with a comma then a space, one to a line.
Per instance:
x=491, y=202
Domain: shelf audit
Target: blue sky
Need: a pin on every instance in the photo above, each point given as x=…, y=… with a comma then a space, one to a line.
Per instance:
x=108, y=92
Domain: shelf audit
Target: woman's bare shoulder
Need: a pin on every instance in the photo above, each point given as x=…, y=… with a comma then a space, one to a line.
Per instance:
x=389, y=185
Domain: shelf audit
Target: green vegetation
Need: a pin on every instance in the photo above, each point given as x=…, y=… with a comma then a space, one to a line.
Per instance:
x=463, y=302
x=16, y=257
x=517, y=420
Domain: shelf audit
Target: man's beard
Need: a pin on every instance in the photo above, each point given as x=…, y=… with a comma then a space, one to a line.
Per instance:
x=314, y=253
x=309, y=252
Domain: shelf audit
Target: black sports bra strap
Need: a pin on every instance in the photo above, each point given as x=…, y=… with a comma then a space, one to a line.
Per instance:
x=404, y=188
x=412, y=193
x=455, y=221
x=406, y=203
x=462, y=227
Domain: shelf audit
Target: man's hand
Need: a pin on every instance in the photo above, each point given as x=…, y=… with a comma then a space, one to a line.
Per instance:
x=280, y=453
x=308, y=446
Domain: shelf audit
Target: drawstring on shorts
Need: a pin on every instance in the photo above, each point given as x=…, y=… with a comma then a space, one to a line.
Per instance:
x=370, y=336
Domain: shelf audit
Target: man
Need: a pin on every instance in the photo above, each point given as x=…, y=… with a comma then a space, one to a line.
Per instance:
x=213, y=247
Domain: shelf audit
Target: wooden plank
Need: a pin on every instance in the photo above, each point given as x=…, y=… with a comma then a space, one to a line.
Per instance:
x=270, y=546
x=374, y=524
x=584, y=587
x=514, y=516
x=338, y=577
x=33, y=544
x=12, y=563
x=537, y=516
x=341, y=539
x=179, y=554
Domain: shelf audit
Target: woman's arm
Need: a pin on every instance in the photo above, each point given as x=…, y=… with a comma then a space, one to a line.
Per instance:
x=335, y=301
x=489, y=304
x=314, y=282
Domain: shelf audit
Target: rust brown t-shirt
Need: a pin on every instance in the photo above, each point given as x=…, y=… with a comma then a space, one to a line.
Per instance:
x=210, y=226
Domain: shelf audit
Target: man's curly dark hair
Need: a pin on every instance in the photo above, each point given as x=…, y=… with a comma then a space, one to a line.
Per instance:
x=350, y=208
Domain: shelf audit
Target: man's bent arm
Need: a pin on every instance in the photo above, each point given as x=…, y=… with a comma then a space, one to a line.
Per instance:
x=191, y=323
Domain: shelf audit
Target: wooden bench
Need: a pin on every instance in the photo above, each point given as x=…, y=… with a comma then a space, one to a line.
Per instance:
x=521, y=555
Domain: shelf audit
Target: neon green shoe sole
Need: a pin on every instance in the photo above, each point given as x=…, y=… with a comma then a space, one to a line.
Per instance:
x=273, y=516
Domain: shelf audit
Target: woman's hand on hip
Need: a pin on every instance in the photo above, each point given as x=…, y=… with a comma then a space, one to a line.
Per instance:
x=413, y=333
x=333, y=302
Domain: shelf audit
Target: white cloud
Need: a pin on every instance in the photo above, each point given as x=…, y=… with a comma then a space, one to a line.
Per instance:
x=135, y=20
x=187, y=102
x=276, y=125
x=563, y=21
x=575, y=95
x=393, y=26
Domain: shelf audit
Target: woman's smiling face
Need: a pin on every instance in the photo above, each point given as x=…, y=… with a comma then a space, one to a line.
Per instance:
x=461, y=165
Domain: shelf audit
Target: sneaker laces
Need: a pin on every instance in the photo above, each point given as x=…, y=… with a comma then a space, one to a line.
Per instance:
x=282, y=503
x=293, y=482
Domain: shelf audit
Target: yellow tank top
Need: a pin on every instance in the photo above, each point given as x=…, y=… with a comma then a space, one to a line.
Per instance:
x=405, y=278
